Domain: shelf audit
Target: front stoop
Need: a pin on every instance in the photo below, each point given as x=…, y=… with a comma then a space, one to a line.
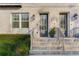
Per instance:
x=45, y=47
x=48, y=46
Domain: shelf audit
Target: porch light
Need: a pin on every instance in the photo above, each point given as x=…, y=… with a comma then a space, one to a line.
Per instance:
x=75, y=16
x=33, y=17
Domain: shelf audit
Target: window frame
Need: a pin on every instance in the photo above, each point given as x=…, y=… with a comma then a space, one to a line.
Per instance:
x=20, y=19
x=25, y=21
x=15, y=20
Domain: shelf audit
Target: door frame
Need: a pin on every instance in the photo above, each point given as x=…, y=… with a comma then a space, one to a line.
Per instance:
x=45, y=13
x=68, y=22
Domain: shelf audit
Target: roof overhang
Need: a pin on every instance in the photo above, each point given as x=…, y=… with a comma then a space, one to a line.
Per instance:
x=10, y=5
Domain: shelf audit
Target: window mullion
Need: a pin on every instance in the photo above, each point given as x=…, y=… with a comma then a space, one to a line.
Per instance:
x=20, y=20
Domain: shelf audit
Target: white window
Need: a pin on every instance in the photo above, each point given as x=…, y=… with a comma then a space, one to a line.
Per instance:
x=20, y=20
x=15, y=20
x=24, y=20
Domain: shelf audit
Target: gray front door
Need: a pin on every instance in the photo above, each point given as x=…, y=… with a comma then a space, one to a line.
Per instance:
x=64, y=23
x=43, y=24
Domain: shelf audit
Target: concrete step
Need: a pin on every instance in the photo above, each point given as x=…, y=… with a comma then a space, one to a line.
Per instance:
x=47, y=52
x=46, y=44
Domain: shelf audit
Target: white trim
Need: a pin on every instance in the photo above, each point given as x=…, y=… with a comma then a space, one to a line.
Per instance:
x=43, y=4
x=20, y=21
x=11, y=22
x=51, y=5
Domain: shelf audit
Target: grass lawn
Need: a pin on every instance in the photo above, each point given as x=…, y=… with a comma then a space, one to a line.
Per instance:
x=14, y=44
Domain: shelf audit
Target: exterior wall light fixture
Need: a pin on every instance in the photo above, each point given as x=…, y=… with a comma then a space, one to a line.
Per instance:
x=33, y=17
x=75, y=16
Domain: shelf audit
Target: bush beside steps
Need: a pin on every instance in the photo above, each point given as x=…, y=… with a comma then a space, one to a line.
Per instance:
x=14, y=44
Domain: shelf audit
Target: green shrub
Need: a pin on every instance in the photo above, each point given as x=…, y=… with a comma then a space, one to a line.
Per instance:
x=14, y=44
x=52, y=32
